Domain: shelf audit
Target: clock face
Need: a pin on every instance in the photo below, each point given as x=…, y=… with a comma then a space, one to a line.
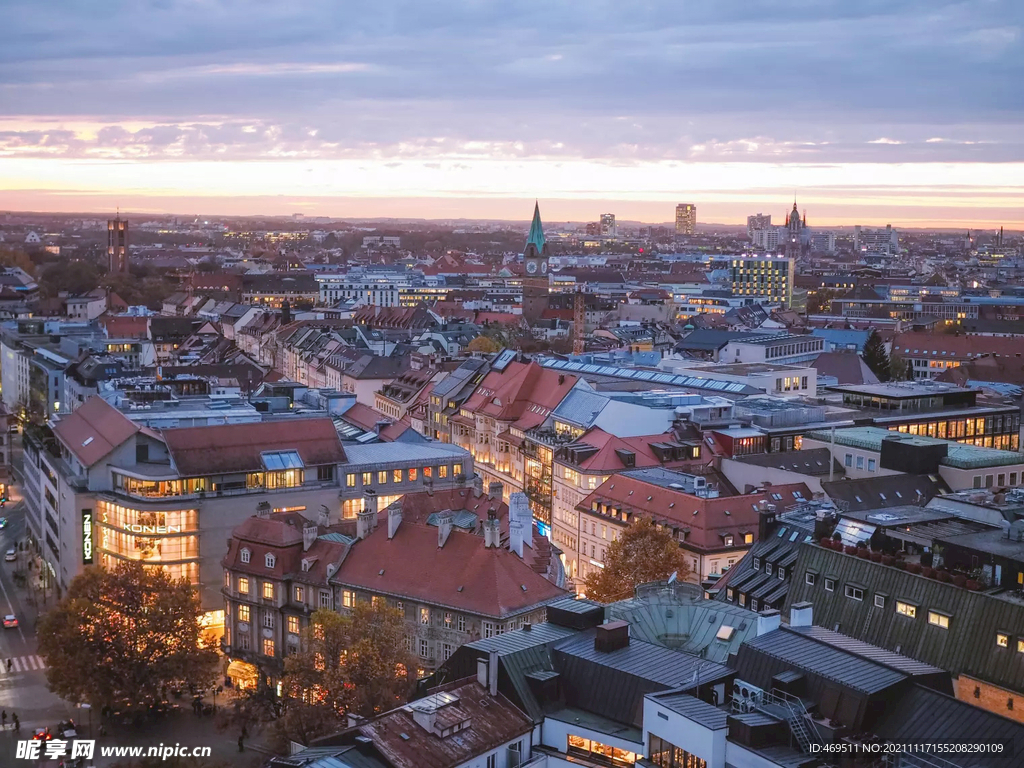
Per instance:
x=531, y=267
x=544, y=266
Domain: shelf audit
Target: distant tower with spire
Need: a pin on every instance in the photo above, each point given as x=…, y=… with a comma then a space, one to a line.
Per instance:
x=117, y=245
x=535, y=262
x=795, y=231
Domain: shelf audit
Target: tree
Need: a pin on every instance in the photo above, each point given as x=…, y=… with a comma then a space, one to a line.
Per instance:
x=876, y=358
x=121, y=637
x=642, y=553
x=483, y=344
x=900, y=369
x=356, y=662
x=15, y=257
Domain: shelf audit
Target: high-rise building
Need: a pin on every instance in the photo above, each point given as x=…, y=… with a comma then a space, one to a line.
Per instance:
x=878, y=240
x=686, y=219
x=758, y=221
x=823, y=242
x=608, y=228
x=767, y=239
x=117, y=246
x=762, y=279
x=535, y=262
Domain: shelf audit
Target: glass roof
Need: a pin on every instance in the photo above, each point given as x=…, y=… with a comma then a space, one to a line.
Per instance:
x=274, y=461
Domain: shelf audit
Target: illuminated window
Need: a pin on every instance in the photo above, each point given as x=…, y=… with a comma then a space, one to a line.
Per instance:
x=243, y=613
x=299, y=595
x=243, y=585
x=457, y=469
x=268, y=590
x=350, y=481
x=424, y=616
x=412, y=474
x=906, y=609
x=1002, y=640
x=448, y=621
x=268, y=646
x=442, y=471
x=748, y=538
x=367, y=478
x=938, y=619
x=348, y=598
x=397, y=475
x=382, y=477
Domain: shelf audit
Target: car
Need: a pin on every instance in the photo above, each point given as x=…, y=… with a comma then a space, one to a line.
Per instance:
x=66, y=729
x=3, y=520
x=42, y=734
x=10, y=621
x=11, y=556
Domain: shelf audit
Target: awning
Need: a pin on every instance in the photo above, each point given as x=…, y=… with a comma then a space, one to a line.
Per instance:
x=242, y=669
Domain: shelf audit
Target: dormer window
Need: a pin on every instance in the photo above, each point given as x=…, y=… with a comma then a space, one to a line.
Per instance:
x=768, y=568
x=269, y=559
x=246, y=555
x=757, y=563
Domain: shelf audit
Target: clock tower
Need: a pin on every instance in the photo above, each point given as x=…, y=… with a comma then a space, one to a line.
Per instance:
x=535, y=262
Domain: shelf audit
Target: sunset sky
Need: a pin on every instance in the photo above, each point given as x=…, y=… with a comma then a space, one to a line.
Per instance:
x=869, y=112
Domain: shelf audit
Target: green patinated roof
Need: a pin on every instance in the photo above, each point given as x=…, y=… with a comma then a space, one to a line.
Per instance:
x=959, y=455
x=536, y=235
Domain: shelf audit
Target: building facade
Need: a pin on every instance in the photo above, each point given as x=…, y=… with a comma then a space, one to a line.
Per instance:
x=686, y=219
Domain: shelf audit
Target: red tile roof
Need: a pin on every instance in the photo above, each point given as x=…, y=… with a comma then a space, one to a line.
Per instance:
x=463, y=575
x=607, y=460
x=944, y=346
x=125, y=326
x=94, y=430
x=237, y=447
x=281, y=536
x=523, y=393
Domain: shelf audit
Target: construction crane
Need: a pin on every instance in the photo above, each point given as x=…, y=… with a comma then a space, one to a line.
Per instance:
x=579, y=315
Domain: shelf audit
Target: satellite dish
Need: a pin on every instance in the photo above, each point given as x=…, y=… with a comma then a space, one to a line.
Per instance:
x=672, y=578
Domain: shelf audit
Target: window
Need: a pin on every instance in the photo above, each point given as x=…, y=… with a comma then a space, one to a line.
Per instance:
x=456, y=469
x=768, y=568
x=728, y=541
x=448, y=621
x=227, y=579
x=412, y=474
x=446, y=651
x=382, y=477
x=782, y=573
x=325, y=599
x=300, y=594
x=243, y=585
x=268, y=590
x=757, y=563
x=937, y=619
x=325, y=473
x=268, y=619
x=396, y=476
x=442, y=471
x=425, y=616
x=854, y=593
x=848, y=460
x=1020, y=645
x=860, y=462
x=293, y=625
x=246, y=555
x=424, y=649
x=269, y=559
x=462, y=623
x=830, y=585
x=492, y=760
x=748, y=538
x=1002, y=640
x=871, y=465
x=810, y=578
x=243, y=613
x=488, y=628
x=350, y=480
x=268, y=646
x=879, y=601
x=348, y=598
x=378, y=601
x=906, y=609
x=367, y=478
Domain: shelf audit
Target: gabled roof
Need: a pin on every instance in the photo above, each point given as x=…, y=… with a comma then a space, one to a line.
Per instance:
x=884, y=491
x=463, y=575
x=94, y=430
x=230, y=448
x=846, y=367
x=524, y=393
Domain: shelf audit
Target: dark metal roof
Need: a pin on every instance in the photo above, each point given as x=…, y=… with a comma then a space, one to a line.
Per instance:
x=968, y=646
x=693, y=709
x=827, y=661
x=895, y=661
x=886, y=491
x=575, y=605
x=513, y=642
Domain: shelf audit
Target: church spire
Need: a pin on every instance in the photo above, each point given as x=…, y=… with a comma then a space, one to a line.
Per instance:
x=536, y=236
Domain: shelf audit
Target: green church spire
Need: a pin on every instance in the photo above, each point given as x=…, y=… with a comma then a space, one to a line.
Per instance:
x=536, y=236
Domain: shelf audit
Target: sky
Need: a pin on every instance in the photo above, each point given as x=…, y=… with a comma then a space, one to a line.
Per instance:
x=868, y=112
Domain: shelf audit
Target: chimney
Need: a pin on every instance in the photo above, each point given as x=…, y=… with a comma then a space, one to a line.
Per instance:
x=366, y=521
x=394, y=519
x=518, y=514
x=263, y=509
x=370, y=503
x=286, y=312
x=492, y=531
x=478, y=486
x=324, y=518
x=496, y=491
x=768, y=621
x=492, y=673
x=611, y=636
x=444, y=527
x=382, y=424
x=801, y=615
x=309, y=533
x=765, y=522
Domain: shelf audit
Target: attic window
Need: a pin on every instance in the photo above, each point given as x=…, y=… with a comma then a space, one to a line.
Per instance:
x=246, y=555
x=725, y=633
x=87, y=441
x=269, y=559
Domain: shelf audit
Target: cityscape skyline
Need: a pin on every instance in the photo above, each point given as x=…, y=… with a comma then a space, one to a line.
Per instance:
x=463, y=112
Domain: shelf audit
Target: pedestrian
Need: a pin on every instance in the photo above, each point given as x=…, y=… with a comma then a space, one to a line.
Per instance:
x=245, y=732
x=241, y=747
x=9, y=665
x=17, y=722
x=3, y=719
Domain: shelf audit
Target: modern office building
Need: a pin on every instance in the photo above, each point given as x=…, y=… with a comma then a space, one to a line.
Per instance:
x=762, y=279
x=117, y=246
x=608, y=227
x=686, y=219
x=756, y=222
x=878, y=240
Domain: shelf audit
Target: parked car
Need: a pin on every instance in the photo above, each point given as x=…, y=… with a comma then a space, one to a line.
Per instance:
x=11, y=555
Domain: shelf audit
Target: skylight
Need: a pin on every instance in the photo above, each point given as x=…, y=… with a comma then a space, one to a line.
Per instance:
x=274, y=461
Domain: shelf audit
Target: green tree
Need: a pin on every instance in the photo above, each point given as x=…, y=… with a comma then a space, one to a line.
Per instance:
x=876, y=358
x=353, y=662
x=900, y=369
x=642, y=553
x=121, y=637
